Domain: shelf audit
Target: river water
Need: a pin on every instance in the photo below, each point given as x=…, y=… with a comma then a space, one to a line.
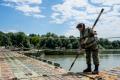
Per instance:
x=108, y=60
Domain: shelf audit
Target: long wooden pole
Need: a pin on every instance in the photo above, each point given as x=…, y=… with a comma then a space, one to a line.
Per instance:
x=97, y=18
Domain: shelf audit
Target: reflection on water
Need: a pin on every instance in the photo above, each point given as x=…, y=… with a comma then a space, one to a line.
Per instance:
x=107, y=61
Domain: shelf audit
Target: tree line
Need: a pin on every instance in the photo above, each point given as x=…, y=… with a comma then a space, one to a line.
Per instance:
x=48, y=41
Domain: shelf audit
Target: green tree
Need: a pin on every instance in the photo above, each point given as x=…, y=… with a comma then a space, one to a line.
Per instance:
x=5, y=41
x=35, y=40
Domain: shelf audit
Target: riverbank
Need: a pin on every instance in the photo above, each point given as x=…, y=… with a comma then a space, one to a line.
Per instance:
x=61, y=52
x=65, y=52
x=109, y=49
x=75, y=51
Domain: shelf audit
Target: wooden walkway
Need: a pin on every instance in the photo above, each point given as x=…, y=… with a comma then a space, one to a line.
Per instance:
x=14, y=66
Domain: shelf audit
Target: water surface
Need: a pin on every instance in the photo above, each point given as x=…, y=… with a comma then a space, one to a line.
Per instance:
x=107, y=61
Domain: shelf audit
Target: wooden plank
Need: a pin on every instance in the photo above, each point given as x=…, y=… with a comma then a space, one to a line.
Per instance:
x=28, y=71
x=14, y=65
x=0, y=70
x=6, y=72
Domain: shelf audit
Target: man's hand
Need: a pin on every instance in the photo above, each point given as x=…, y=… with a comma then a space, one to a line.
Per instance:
x=80, y=51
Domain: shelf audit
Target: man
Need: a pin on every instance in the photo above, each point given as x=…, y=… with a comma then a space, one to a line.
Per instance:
x=89, y=43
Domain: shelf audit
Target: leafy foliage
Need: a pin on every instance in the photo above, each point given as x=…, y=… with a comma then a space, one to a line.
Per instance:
x=49, y=40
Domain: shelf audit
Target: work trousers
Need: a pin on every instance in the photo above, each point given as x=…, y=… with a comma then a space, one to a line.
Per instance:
x=94, y=53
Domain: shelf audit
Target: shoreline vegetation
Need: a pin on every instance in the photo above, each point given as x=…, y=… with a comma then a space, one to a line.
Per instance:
x=65, y=52
x=50, y=41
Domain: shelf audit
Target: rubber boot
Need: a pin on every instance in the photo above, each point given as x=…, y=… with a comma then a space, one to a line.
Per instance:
x=88, y=69
x=96, y=70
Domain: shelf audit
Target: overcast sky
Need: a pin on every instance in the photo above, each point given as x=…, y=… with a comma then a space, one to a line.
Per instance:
x=59, y=16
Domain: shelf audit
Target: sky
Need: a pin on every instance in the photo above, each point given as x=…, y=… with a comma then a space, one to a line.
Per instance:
x=59, y=16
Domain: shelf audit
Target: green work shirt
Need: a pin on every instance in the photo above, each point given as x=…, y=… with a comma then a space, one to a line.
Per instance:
x=88, y=33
